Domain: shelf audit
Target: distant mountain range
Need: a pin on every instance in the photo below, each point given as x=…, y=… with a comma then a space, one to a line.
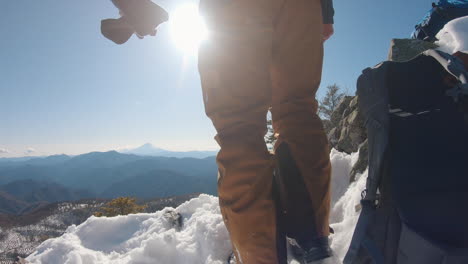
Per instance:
x=31, y=183
x=144, y=150
x=23, y=196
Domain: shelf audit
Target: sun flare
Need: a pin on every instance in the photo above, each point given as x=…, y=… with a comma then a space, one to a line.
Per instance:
x=187, y=28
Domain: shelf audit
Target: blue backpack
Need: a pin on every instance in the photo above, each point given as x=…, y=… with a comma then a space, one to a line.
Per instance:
x=440, y=14
x=414, y=204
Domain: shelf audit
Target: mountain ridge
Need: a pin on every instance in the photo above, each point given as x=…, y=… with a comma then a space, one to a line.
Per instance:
x=31, y=184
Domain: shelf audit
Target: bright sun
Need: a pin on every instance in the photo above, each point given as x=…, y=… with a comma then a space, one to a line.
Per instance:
x=187, y=28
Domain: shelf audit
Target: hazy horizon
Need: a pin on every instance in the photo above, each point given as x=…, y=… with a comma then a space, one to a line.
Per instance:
x=123, y=149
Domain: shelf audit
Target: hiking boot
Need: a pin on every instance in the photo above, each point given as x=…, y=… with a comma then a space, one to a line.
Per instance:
x=329, y=260
x=316, y=251
x=232, y=259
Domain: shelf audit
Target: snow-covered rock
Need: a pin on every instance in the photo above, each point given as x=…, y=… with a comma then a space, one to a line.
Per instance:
x=454, y=36
x=202, y=238
x=143, y=238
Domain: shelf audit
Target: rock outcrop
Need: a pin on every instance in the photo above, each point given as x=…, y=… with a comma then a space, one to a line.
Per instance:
x=406, y=49
x=347, y=133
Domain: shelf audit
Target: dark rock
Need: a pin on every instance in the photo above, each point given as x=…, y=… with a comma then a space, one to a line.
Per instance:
x=362, y=163
x=175, y=219
x=337, y=114
x=354, y=103
x=333, y=137
x=353, y=133
x=327, y=125
x=349, y=132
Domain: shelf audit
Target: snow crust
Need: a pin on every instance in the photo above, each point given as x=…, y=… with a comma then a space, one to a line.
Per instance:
x=344, y=216
x=154, y=238
x=342, y=164
x=454, y=36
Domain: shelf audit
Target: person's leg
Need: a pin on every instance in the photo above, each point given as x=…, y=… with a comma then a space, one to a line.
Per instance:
x=234, y=70
x=302, y=147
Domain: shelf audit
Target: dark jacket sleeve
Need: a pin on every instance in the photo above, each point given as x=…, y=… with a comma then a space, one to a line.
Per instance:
x=328, y=11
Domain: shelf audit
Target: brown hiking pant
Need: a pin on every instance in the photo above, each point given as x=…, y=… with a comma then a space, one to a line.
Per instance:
x=262, y=54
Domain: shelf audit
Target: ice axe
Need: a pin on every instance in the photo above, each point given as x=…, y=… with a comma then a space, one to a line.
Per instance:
x=140, y=17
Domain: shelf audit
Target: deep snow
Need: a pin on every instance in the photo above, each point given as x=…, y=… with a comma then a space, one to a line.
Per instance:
x=454, y=36
x=203, y=238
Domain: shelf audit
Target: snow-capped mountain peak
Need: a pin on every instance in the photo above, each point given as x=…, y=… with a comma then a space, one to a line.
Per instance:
x=149, y=149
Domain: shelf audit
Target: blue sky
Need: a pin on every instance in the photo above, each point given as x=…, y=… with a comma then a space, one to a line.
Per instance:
x=66, y=89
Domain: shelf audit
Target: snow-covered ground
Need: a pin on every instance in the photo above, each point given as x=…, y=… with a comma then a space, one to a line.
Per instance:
x=155, y=238
x=454, y=36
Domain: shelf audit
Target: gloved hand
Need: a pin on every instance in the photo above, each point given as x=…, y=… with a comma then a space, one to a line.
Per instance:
x=328, y=31
x=141, y=17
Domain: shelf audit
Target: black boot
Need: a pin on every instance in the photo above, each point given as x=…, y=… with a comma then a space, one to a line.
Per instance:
x=315, y=251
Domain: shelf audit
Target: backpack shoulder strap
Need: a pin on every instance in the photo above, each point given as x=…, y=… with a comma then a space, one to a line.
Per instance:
x=373, y=104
